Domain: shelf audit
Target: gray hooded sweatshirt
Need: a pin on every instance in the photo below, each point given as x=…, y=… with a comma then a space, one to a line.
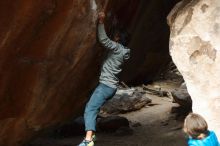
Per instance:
x=112, y=64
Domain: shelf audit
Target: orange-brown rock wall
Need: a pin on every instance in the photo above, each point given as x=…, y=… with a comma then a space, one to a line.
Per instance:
x=45, y=48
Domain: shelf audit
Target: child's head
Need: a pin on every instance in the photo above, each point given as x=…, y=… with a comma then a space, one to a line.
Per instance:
x=195, y=126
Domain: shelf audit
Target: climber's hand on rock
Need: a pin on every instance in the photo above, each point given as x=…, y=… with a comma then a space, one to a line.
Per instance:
x=101, y=17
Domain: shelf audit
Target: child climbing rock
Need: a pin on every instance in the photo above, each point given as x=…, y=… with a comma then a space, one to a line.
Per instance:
x=196, y=128
x=118, y=53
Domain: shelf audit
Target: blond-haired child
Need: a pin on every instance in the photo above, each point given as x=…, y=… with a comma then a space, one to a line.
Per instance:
x=196, y=128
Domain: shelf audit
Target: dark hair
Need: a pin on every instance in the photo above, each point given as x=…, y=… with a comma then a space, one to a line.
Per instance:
x=124, y=36
x=195, y=125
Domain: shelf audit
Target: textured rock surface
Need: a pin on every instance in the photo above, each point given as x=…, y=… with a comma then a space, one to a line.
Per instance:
x=50, y=60
x=125, y=100
x=195, y=49
x=182, y=97
x=44, y=48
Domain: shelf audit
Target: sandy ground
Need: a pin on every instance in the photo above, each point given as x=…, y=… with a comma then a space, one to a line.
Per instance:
x=158, y=126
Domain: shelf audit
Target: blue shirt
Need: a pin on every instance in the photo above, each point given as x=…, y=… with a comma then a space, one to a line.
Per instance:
x=210, y=140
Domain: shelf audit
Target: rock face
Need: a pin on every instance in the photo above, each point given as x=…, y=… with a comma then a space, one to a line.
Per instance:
x=44, y=48
x=50, y=59
x=146, y=44
x=195, y=49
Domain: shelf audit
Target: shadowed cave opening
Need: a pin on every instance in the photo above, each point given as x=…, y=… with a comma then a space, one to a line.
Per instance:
x=150, y=70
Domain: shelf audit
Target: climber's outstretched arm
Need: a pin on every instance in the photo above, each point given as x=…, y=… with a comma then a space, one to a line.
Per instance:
x=102, y=36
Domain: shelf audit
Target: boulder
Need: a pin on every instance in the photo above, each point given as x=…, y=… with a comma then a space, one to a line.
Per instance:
x=182, y=97
x=112, y=123
x=195, y=49
x=125, y=100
